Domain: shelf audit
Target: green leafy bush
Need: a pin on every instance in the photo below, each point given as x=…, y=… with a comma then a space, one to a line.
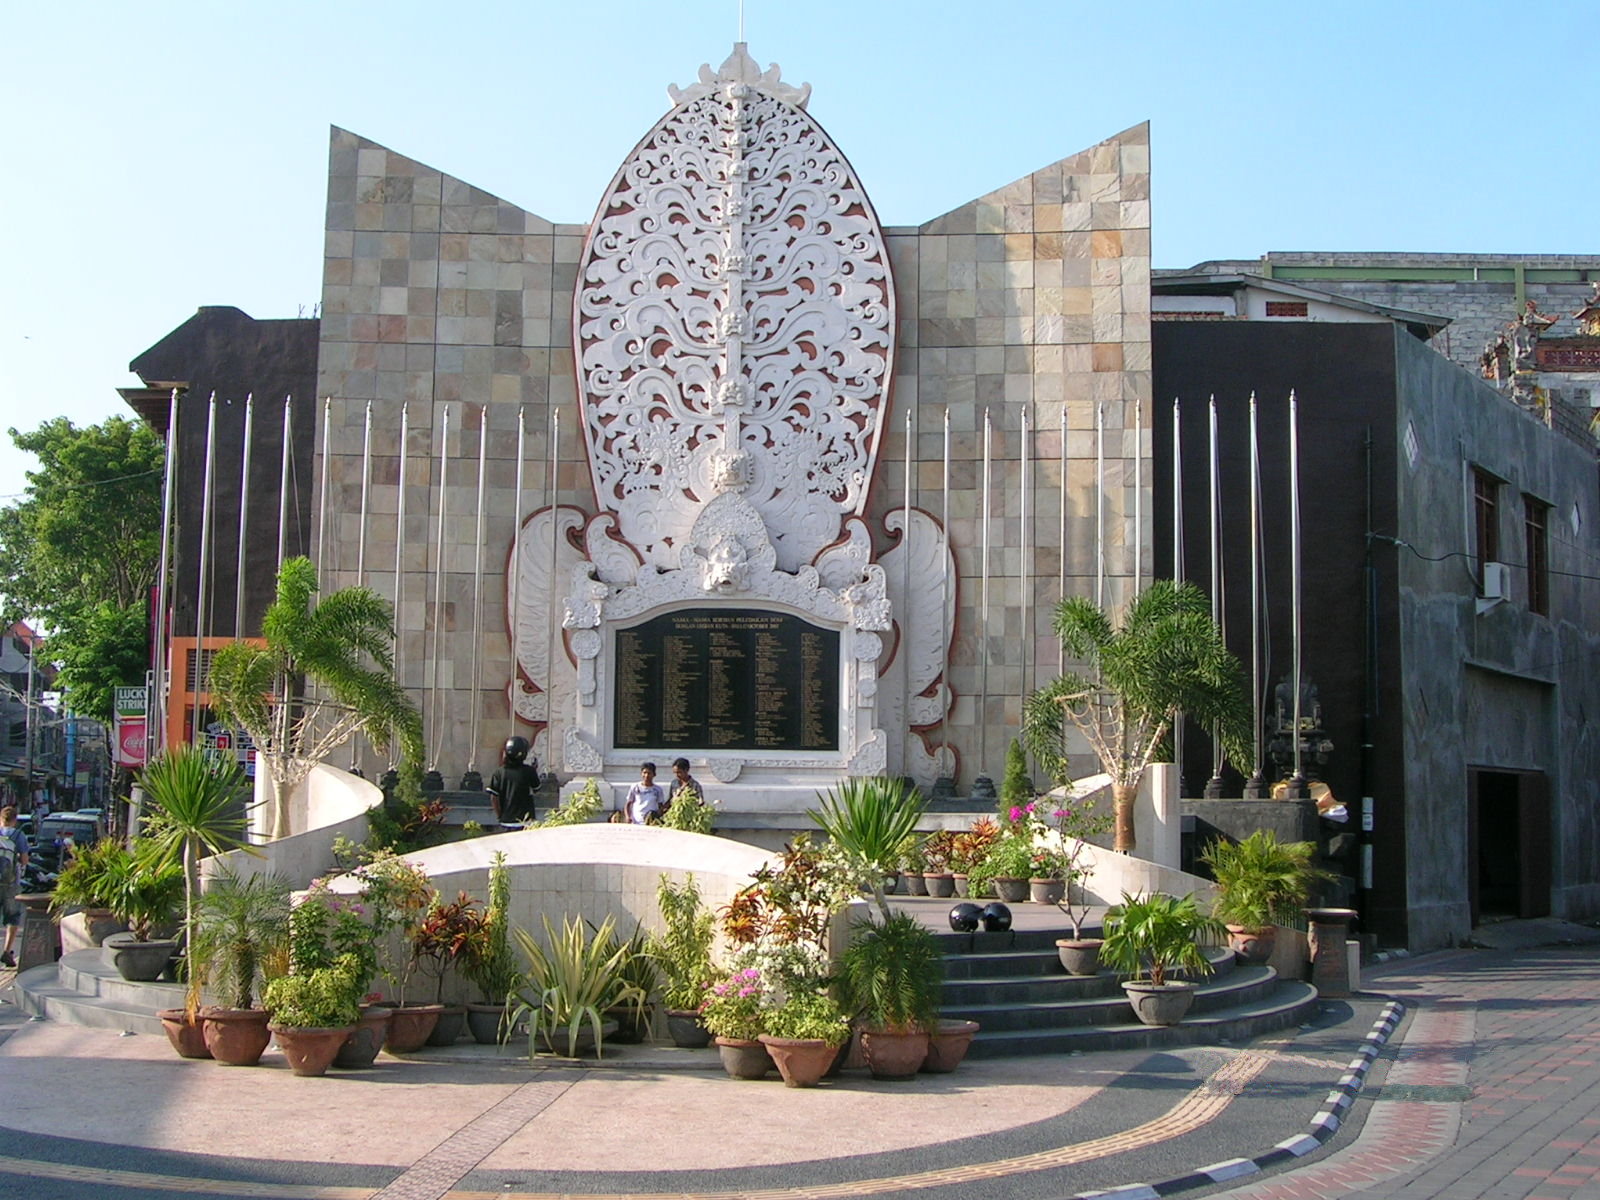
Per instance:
x=813, y=1015
x=893, y=973
x=1149, y=936
x=683, y=948
x=325, y=998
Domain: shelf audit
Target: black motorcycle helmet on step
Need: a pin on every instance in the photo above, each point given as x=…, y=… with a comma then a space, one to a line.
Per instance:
x=516, y=752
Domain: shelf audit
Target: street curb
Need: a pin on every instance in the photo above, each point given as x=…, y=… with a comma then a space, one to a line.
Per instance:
x=1322, y=1127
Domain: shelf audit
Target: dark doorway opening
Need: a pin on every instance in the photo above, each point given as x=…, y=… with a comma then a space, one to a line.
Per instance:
x=1508, y=845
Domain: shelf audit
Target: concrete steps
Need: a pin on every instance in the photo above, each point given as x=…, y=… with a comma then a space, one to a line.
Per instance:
x=83, y=988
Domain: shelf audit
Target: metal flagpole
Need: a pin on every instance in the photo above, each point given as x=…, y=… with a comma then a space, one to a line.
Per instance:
x=552, y=592
x=1100, y=506
x=400, y=534
x=1061, y=540
x=244, y=517
x=438, y=591
x=477, y=597
x=283, y=479
x=156, y=736
x=1213, y=790
x=322, y=504
x=1255, y=787
x=905, y=591
x=201, y=683
x=1138, y=498
x=366, y=492
x=514, y=566
x=944, y=603
x=983, y=621
x=1025, y=567
x=1177, y=562
x=1297, y=785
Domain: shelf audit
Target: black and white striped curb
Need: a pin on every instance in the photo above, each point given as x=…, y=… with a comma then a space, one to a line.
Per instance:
x=1323, y=1126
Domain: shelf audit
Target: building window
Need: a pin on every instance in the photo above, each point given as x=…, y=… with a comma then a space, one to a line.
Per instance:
x=1287, y=308
x=1485, y=520
x=1536, y=533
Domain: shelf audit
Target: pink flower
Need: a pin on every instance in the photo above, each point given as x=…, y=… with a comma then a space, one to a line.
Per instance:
x=1016, y=813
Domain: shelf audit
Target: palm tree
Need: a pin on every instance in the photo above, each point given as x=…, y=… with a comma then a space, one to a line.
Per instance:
x=341, y=645
x=194, y=798
x=1167, y=657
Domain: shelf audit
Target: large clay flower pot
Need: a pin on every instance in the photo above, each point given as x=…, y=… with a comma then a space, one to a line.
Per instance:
x=1047, y=891
x=916, y=883
x=236, y=1037
x=942, y=884
x=893, y=1055
x=745, y=1059
x=138, y=962
x=484, y=1022
x=1164, y=1005
x=1012, y=889
x=360, y=1048
x=188, y=1037
x=959, y=882
x=687, y=1031
x=451, y=1024
x=410, y=1026
x=310, y=1050
x=1080, y=956
x=801, y=1061
x=1251, y=943
x=947, y=1046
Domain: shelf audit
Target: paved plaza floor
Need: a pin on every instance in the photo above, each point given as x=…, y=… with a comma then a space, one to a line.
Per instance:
x=1466, y=1074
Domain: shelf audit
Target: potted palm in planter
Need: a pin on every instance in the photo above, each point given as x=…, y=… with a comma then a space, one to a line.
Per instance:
x=241, y=923
x=868, y=821
x=683, y=951
x=144, y=892
x=803, y=1035
x=1149, y=938
x=893, y=974
x=314, y=1013
x=1261, y=884
x=84, y=884
x=570, y=982
x=490, y=962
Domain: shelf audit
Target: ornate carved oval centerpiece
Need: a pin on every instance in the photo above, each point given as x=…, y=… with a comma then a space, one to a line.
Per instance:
x=734, y=315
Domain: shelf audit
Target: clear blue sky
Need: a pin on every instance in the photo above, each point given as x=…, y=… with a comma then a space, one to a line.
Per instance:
x=167, y=155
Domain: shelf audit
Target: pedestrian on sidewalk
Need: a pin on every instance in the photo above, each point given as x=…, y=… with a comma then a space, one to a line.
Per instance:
x=13, y=861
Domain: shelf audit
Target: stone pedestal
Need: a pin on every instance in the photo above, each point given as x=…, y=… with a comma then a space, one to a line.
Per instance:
x=1330, y=964
x=36, y=940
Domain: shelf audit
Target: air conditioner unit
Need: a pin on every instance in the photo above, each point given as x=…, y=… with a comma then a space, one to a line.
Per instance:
x=1496, y=586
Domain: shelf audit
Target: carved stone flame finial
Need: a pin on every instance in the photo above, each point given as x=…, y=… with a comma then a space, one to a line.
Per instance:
x=739, y=68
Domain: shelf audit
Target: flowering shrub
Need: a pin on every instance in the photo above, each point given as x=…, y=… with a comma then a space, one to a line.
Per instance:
x=325, y=926
x=397, y=895
x=735, y=1008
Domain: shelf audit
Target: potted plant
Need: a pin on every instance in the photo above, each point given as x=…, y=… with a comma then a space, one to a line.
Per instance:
x=1261, y=883
x=640, y=970
x=1016, y=787
x=315, y=1012
x=969, y=850
x=1076, y=821
x=734, y=1010
x=1148, y=938
x=803, y=1035
x=241, y=922
x=936, y=848
x=913, y=865
x=84, y=884
x=869, y=820
x=398, y=895
x=490, y=963
x=683, y=951
x=448, y=935
x=568, y=985
x=1009, y=863
x=326, y=928
x=893, y=972
x=144, y=892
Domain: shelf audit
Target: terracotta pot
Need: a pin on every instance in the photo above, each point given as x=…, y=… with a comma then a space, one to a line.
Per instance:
x=801, y=1061
x=1047, y=891
x=959, y=882
x=1013, y=889
x=484, y=1022
x=138, y=962
x=743, y=1058
x=940, y=883
x=1251, y=943
x=448, y=1029
x=687, y=1031
x=893, y=1055
x=188, y=1037
x=361, y=1048
x=410, y=1026
x=947, y=1046
x=1080, y=956
x=916, y=883
x=1164, y=1005
x=236, y=1037
x=310, y=1050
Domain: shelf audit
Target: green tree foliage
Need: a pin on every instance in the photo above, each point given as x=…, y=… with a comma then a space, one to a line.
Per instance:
x=79, y=551
x=1167, y=657
x=341, y=645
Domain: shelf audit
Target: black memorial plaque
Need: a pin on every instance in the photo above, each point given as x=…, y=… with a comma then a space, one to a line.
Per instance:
x=727, y=679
